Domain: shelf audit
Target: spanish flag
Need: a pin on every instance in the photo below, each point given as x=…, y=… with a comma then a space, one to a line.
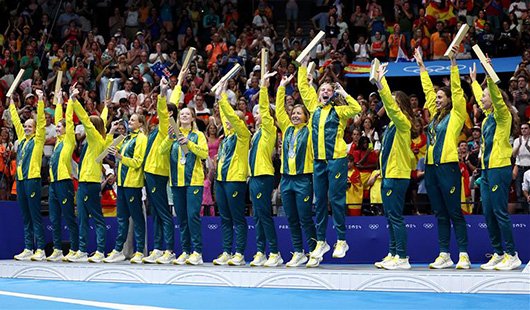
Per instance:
x=440, y=10
x=358, y=68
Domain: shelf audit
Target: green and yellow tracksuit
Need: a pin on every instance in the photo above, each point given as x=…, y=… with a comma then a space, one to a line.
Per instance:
x=61, y=190
x=156, y=168
x=28, y=175
x=186, y=177
x=261, y=181
x=297, y=179
x=496, y=168
x=232, y=172
x=130, y=182
x=329, y=150
x=442, y=173
x=90, y=172
x=396, y=161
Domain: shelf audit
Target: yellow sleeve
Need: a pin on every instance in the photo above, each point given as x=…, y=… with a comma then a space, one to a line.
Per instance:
x=19, y=128
x=267, y=122
x=308, y=93
x=238, y=124
x=91, y=131
x=175, y=95
x=165, y=145
x=457, y=94
x=70, y=129
x=59, y=113
x=163, y=116
x=428, y=90
x=281, y=114
x=40, y=129
x=500, y=111
x=139, y=152
x=350, y=110
x=222, y=114
x=477, y=92
x=200, y=149
x=392, y=109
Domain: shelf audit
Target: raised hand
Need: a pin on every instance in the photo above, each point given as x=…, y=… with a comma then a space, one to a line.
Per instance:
x=40, y=94
x=419, y=58
x=265, y=79
x=163, y=86
x=340, y=90
x=286, y=80
x=473, y=72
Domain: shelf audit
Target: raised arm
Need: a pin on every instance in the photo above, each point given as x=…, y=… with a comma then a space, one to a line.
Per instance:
x=70, y=128
x=139, y=152
x=308, y=93
x=475, y=86
x=238, y=125
x=267, y=122
x=457, y=94
x=350, y=110
x=19, y=128
x=40, y=127
x=200, y=149
x=426, y=83
x=501, y=110
x=58, y=110
x=394, y=112
x=281, y=114
x=161, y=108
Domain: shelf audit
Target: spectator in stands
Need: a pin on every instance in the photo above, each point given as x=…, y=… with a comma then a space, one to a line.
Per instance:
x=521, y=152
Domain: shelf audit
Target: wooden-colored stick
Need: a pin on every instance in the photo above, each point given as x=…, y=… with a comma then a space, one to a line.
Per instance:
x=176, y=129
x=104, y=154
x=460, y=35
x=189, y=57
x=15, y=84
x=58, y=91
x=311, y=67
x=264, y=61
x=310, y=46
x=235, y=69
x=487, y=67
x=374, y=69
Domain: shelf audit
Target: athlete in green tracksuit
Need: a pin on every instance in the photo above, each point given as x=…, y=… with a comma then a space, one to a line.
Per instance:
x=396, y=161
x=330, y=169
x=297, y=173
x=130, y=176
x=496, y=172
x=186, y=178
x=61, y=190
x=31, y=137
x=447, y=108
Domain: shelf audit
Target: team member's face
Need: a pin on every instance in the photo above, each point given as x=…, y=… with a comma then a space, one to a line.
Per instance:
x=326, y=91
x=59, y=129
x=441, y=100
x=298, y=116
x=185, y=117
x=29, y=127
x=134, y=123
x=486, y=99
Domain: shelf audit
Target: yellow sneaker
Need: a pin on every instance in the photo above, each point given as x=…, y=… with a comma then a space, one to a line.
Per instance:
x=237, y=260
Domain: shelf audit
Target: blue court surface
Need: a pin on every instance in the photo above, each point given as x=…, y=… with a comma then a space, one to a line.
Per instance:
x=39, y=294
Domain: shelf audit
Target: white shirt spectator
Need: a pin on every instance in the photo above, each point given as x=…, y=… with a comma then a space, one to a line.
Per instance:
x=526, y=181
x=120, y=94
x=518, y=7
x=523, y=157
x=50, y=133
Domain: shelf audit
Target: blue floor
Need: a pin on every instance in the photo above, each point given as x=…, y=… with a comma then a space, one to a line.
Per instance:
x=199, y=297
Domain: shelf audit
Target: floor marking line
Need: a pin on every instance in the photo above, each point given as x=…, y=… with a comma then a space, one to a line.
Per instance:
x=108, y=305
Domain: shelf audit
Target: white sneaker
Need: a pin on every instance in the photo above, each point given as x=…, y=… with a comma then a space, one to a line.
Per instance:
x=259, y=260
x=222, y=259
x=181, y=260
x=275, y=260
x=494, y=260
x=321, y=249
x=56, y=256
x=153, y=256
x=442, y=261
x=509, y=262
x=237, y=260
x=313, y=262
x=298, y=259
x=341, y=247
x=463, y=261
x=24, y=255
x=167, y=258
x=98, y=257
x=70, y=254
x=385, y=259
x=194, y=259
x=79, y=257
x=114, y=257
x=396, y=263
x=38, y=256
x=137, y=258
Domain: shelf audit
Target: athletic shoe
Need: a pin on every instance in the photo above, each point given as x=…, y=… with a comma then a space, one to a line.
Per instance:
x=79, y=257
x=114, y=257
x=70, y=254
x=98, y=257
x=259, y=260
x=222, y=259
x=56, y=256
x=237, y=260
x=194, y=259
x=24, y=255
x=38, y=256
x=396, y=263
x=442, y=261
x=298, y=259
x=463, y=261
x=313, y=262
x=181, y=260
x=321, y=248
x=509, y=262
x=167, y=258
x=341, y=247
x=153, y=256
x=137, y=258
x=494, y=260
x=386, y=259
x=275, y=260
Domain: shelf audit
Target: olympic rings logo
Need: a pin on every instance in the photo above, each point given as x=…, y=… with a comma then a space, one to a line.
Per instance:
x=428, y=225
x=212, y=226
x=49, y=228
x=433, y=68
x=373, y=226
x=482, y=225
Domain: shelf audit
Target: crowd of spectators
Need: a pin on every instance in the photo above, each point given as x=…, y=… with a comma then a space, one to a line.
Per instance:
x=120, y=50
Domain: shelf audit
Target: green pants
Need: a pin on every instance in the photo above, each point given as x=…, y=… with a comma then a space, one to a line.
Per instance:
x=89, y=203
x=187, y=203
x=130, y=205
x=494, y=190
x=28, y=198
x=61, y=201
x=230, y=198
x=261, y=195
x=156, y=187
x=393, y=192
